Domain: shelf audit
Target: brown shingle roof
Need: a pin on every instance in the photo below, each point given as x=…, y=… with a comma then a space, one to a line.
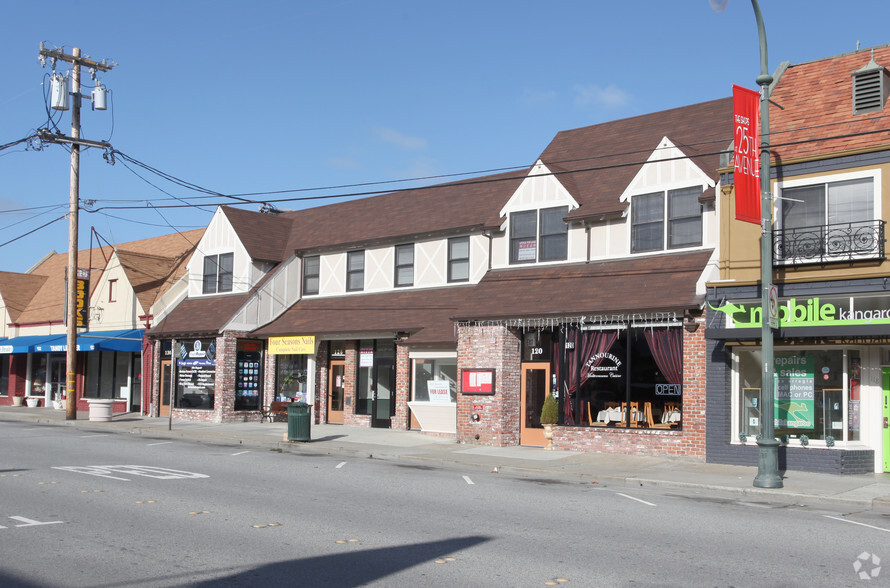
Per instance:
x=425, y=314
x=603, y=159
x=205, y=315
x=462, y=205
x=263, y=235
x=816, y=115
x=646, y=283
x=17, y=291
x=48, y=303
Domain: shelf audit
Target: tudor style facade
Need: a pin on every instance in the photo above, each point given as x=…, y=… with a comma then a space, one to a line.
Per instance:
x=454, y=309
x=830, y=156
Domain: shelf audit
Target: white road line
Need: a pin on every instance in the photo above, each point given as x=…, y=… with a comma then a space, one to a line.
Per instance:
x=158, y=443
x=341, y=464
x=240, y=453
x=468, y=480
x=88, y=436
x=633, y=498
x=857, y=523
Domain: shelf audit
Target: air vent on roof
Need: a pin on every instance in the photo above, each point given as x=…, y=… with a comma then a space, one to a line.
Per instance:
x=869, y=87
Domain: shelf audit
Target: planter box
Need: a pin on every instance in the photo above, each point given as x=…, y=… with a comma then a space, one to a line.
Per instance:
x=100, y=409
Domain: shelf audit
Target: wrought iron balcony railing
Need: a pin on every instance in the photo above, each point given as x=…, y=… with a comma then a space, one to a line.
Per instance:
x=863, y=240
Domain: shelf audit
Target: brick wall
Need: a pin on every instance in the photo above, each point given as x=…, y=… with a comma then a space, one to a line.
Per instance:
x=401, y=420
x=321, y=383
x=499, y=348
x=490, y=347
x=350, y=372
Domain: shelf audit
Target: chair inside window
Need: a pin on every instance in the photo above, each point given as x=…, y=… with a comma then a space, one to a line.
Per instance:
x=650, y=422
x=592, y=422
x=634, y=414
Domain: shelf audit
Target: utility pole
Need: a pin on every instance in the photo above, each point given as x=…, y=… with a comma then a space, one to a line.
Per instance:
x=73, y=206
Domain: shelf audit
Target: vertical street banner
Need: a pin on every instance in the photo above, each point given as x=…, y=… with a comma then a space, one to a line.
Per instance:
x=81, y=311
x=746, y=124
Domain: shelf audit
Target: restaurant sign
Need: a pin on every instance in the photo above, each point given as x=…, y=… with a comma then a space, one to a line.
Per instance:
x=811, y=312
x=297, y=345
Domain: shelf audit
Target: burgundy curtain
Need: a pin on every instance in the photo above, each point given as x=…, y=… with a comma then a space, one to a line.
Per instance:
x=587, y=345
x=666, y=344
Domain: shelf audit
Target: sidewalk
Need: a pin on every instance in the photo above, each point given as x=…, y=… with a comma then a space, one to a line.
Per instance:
x=865, y=491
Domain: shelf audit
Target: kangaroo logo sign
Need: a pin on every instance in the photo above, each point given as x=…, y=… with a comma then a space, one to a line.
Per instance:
x=811, y=312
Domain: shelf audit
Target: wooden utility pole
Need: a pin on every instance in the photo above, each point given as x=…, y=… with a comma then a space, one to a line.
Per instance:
x=73, y=208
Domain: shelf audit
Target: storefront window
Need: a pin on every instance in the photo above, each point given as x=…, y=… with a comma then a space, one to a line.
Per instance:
x=195, y=373
x=616, y=377
x=810, y=388
x=248, y=375
x=365, y=380
x=435, y=380
x=4, y=375
x=108, y=374
x=38, y=376
x=290, y=379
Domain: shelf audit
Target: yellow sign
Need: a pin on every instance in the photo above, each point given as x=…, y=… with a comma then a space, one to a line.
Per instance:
x=297, y=345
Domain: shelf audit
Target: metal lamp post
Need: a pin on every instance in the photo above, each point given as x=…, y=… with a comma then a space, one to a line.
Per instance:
x=768, y=459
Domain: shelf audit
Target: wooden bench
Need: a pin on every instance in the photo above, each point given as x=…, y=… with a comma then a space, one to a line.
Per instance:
x=277, y=408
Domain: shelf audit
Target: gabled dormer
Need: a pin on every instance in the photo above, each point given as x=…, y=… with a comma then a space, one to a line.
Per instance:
x=533, y=221
x=667, y=203
x=237, y=250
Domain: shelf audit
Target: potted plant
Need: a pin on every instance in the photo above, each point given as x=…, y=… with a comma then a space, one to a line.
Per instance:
x=18, y=399
x=549, y=417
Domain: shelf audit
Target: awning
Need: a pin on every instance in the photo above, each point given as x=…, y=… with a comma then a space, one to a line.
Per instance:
x=126, y=340
x=26, y=343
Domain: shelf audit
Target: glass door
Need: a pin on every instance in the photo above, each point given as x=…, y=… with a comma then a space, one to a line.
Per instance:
x=383, y=399
x=56, y=377
x=335, y=391
x=166, y=385
x=534, y=386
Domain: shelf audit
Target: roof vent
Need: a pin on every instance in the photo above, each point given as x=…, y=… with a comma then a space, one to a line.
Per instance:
x=870, y=87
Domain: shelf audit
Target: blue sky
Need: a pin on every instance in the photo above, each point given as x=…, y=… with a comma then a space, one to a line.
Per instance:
x=246, y=97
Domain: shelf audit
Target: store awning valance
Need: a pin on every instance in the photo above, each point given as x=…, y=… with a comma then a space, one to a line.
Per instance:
x=128, y=340
x=26, y=344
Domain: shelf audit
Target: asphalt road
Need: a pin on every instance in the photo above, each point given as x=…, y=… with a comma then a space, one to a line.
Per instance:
x=85, y=509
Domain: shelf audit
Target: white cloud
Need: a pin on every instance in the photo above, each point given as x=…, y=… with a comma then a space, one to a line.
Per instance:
x=532, y=97
x=398, y=139
x=610, y=96
x=343, y=162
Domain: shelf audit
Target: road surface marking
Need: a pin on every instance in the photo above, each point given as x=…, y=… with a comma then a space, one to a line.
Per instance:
x=158, y=443
x=856, y=523
x=240, y=453
x=88, y=436
x=468, y=480
x=341, y=464
x=135, y=470
x=32, y=523
x=633, y=498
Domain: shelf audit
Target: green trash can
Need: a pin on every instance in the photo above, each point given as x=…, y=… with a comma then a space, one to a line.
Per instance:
x=298, y=423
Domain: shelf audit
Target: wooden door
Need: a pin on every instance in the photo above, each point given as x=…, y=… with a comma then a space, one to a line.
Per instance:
x=335, y=391
x=534, y=386
x=166, y=386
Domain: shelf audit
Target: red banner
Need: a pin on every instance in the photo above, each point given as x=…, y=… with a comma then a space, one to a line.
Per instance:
x=746, y=122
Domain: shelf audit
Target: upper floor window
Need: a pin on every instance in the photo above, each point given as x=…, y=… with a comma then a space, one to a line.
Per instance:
x=828, y=221
x=828, y=203
x=218, y=273
x=459, y=259
x=404, y=270
x=310, y=275
x=112, y=290
x=539, y=235
x=355, y=271
x=679, y=208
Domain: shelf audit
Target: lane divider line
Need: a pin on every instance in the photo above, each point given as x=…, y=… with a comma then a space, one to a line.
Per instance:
x=634, y=498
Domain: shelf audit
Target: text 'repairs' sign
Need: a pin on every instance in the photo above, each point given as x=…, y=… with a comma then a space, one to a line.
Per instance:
x=746, y=121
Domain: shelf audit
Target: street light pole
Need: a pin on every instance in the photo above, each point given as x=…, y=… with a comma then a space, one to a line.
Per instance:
x=768, y=459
